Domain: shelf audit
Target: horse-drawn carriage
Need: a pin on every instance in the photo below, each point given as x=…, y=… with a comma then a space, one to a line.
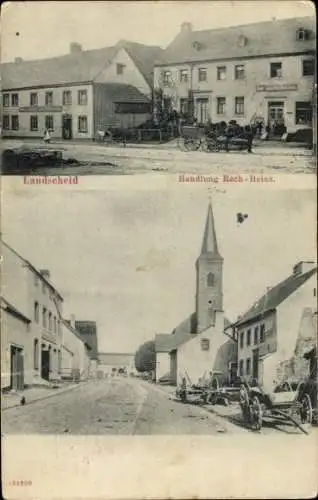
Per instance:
x=289, y=402
x=194, y=137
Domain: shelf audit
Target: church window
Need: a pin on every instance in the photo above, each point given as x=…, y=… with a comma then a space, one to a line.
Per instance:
x=205, y=344
x=210, y=279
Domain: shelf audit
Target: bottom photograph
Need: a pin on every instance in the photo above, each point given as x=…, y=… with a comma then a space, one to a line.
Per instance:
x=159, y=311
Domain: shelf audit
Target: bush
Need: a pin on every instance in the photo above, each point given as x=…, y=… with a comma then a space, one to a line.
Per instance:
x=145, y=357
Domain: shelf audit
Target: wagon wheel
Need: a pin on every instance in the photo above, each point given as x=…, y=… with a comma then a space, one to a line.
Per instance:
x=211, y=144
x=306, y=409
x=244, y=402
x=256, y=414
x=191, y=144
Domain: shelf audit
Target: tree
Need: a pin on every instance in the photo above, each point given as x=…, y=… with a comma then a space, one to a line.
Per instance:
x=145, y=357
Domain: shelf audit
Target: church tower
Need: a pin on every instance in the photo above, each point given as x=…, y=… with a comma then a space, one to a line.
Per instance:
x=209, y=271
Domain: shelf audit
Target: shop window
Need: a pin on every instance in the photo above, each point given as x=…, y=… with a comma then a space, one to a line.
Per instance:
x=303, y=114
x=276, y=70
x=82, y=124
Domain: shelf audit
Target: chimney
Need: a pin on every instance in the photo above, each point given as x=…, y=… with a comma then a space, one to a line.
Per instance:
x=75, y=48
x=45, y=273
x=303, y=267
x=18, y=60
x=72, y=320
x=186, y=27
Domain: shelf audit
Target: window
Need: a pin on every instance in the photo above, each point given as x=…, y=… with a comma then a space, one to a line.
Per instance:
x=166, y=77
x=302, y=34
x=82, y=123
x=210, y=279
x=241, y=370
x=120, y=69
x=183, y=75
x=36, y=354
x=303, y=114
x=202, y=110
x=50, y=322
x=221, y=72
x=49, y=122
x=55, y=325
x=276, y=69
x=183, y=105
x=59, y=327
x=6, y=122
x=33, y=99
x=6, y=100
x=44, y=317
x=203, y=75
x=248, y=337
x=14, y=100
x=241, y=340
x=43, y=287
x=82, y=97
x=248, y=366
x=67, y=97
x=48, y=98
x=262, y=334
x=239, y=72
x=59, y=361
x=36, y=280
x=255, y=335
x=308, y=67
x=221, y=101
x=36, y=312
x=239, y=105
x=14, y=122
x=33, y=122
x=205, y=344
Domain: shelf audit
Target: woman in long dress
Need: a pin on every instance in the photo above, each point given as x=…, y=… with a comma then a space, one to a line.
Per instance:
x=47, y=136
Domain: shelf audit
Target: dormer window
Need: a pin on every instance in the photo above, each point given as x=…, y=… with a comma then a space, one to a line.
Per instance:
x=242, y=41
x=197, y=45
x=302, y=34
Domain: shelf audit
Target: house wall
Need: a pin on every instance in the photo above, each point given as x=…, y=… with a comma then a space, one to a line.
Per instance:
x=24, y=111
x=256, y=98
x=15, y=332
x=131, y=74
x=197, y=362
x=162, y=364
x=74, y=354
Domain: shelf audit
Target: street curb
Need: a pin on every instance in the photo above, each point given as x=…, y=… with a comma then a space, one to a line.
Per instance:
x=66, y=389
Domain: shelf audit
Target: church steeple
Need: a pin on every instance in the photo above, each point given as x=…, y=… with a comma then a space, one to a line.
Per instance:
x=209, y=243
x=209, y=267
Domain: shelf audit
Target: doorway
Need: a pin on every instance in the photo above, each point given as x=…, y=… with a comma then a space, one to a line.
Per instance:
x=67, y=127
x=17, y=368
x=45, y=363
x=255, y=371
x=202, y=113
x=173, y=366
x=276, y=118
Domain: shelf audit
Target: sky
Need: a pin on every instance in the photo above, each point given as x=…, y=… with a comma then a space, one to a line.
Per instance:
x=122, y=251
x=35, y=30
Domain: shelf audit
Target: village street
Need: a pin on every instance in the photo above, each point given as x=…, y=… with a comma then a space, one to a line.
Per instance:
x=167, y=158
x=122, y=406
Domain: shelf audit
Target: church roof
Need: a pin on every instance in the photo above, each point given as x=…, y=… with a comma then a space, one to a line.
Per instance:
x=275, y=296
x=209, y=243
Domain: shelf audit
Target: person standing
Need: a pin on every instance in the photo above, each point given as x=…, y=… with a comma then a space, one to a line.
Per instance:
x=47, y=136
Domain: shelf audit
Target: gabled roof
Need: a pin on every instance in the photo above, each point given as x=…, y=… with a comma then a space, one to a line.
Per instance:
x=88, y=331
x=7, y=306
x=81, y=67
x=121, y=92
x=275, y=296
x=265, y=38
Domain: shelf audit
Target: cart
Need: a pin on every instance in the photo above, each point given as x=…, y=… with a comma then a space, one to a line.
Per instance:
x=193, y=138
x=286, y=404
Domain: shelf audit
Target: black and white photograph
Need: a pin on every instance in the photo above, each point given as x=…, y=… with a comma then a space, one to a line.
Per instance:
x=131, y=87
x=158, y=250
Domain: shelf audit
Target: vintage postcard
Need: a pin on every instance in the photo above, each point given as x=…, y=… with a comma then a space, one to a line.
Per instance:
x=158, y=250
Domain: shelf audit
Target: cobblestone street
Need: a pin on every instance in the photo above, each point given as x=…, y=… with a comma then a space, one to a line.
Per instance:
x=168, y=158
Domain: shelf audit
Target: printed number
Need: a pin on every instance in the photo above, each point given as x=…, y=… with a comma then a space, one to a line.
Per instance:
x=20, y=483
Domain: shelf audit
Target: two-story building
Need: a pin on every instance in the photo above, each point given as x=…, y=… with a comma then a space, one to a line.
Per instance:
x=269, y=333
x=32, y=340
x=262, y=71
x=77, y=94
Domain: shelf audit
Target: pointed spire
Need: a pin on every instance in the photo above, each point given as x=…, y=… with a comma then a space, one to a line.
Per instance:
x=209, y=244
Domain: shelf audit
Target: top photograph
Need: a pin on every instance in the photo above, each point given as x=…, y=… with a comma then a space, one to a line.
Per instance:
x=124, y=88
